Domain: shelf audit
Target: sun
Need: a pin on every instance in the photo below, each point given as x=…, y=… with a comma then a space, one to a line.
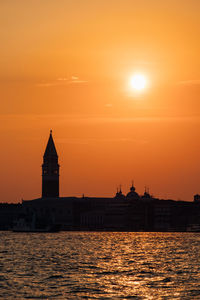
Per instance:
x=138, y=82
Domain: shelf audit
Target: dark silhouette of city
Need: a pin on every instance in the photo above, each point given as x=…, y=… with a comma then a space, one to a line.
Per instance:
x=131, y=212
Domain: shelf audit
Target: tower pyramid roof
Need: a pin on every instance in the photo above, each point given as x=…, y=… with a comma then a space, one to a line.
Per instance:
x=50, y=148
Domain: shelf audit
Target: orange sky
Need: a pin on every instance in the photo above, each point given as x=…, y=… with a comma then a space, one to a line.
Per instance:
x=65, y=65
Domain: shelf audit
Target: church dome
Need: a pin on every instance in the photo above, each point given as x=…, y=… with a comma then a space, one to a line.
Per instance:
x=119, y=194
x=132, y=194
x=146, y=194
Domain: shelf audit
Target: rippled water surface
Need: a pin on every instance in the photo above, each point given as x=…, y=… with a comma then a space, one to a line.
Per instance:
x=87, y=265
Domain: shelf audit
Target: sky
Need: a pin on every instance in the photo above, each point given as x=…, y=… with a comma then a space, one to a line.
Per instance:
x=66, y=65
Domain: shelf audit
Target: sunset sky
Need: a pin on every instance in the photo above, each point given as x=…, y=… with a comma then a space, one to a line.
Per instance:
x=66, y=65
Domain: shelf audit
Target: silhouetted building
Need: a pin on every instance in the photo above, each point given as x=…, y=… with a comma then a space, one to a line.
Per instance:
x=131, y=212
x=8, y=213
x=119, y=194
x=50, y=170
x=197, y=198
x=132, y=194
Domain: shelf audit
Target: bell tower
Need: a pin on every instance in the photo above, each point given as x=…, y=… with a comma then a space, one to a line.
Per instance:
x=50, y=170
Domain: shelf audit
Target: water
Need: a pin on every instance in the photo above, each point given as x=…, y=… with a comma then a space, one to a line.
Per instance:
x=87, y=265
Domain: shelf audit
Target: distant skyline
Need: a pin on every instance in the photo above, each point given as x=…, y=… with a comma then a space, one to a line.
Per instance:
x=66, y=66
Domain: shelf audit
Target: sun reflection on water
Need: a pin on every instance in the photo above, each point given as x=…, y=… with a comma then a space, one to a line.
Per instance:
x=72, y=265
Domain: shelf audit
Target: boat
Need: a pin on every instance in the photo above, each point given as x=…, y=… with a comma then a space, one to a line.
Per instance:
x=193, y=228
x=23, y=224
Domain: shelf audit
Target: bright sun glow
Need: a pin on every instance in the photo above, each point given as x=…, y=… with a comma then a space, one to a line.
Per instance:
x=138, y=82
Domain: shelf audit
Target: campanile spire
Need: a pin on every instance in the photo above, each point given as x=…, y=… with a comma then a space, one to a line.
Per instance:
x=50, y=170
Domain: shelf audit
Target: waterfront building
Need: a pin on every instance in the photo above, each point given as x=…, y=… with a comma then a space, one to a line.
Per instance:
x=131, y=212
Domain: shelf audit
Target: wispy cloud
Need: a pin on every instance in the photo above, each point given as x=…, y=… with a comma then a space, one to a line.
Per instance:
x=71, y=80
x=190, y=82
x=62, y=81
x=110, y=120
x=86, y=141
x=62, y=119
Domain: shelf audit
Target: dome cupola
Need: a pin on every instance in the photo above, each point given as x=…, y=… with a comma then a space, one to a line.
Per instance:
x=132, y=194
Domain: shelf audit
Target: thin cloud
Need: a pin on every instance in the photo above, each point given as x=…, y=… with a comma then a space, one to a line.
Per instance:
x=100, y=120
x=62, y=81
x=86, y=141
x=190, y=82
x=74, y=78
x=92, y=119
